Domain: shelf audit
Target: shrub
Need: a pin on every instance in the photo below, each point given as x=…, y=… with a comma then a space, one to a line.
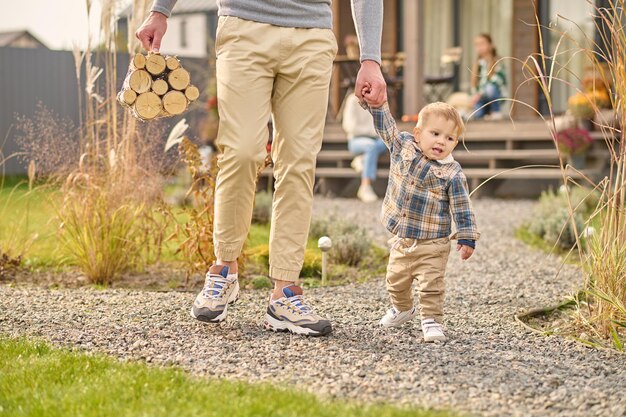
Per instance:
x=551, y=220
x=262, y=212
x=351, y=243
x=312, y=266
x=261, y=282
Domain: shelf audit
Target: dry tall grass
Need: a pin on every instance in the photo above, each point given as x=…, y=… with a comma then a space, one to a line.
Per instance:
x=112, y=191
x=603, y=311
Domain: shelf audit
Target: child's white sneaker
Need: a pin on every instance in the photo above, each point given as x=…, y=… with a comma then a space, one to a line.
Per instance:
x=433, y=331
x=394, y=318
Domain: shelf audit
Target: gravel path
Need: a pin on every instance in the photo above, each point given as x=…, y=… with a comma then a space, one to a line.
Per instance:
x=491, y=366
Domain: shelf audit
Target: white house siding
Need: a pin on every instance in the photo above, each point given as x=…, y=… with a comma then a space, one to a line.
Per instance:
x=196, y=37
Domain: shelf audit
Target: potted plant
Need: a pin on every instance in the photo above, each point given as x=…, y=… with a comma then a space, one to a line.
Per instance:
x=580, y=106
x=574, y=142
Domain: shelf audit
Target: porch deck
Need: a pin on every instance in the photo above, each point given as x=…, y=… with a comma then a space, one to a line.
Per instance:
x=489, y=149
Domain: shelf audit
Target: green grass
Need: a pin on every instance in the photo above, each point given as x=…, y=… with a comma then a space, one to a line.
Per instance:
x=24, y=214
x=38, y=380
x=28, y=217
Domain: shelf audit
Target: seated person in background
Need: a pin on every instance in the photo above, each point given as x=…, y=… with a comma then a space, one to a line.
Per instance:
x=364, y=142
x=351, y=43
x=488, y=79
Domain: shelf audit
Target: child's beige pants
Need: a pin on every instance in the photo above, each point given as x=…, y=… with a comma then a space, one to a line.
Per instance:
x=263, y=69
x=424, y=261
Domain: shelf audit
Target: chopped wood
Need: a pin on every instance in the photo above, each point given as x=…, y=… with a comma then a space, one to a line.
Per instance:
x=179, y=79
x=192, y=93
x=127, y=97
x=172, y=63
x=148, y=105
x=140, y=81
x=155, y=64
x=139, y=61
x=160, y=86
x=157, y=86
x=174, y=102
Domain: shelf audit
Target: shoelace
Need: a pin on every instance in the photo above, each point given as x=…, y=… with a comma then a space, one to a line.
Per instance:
x=300, y=306
x=214, y=286
x=431, y=325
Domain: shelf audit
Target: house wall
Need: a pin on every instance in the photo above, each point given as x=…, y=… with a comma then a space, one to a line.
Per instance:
x=578, y=16
x=187, y=35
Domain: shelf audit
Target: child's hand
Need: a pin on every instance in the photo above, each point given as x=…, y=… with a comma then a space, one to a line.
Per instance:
x=366, y=92
x=466, y=251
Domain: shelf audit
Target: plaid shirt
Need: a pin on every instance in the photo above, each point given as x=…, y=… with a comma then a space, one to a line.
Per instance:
x=423, y=194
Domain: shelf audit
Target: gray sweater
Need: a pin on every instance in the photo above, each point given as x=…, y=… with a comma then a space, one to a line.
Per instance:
x=368, y=16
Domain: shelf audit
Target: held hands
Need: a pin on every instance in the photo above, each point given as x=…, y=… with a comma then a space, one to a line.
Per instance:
x=151, y=31
x=466, y=251
x=370, y=84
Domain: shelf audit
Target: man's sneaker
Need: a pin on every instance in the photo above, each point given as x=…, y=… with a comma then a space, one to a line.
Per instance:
x=366, y=194
x=220, y=289
x=395, y=318
x=292, y=313
x=433, y=331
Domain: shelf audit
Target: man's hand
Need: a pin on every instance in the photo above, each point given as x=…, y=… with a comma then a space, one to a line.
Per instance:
x=151, y=31
x=370, y=84
x=466, y=251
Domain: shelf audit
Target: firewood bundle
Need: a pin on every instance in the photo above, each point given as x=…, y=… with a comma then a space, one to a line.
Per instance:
x=157, y=86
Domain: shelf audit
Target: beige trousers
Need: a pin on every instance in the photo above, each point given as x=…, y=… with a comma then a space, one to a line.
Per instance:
x=261, y=70
x=424, y=261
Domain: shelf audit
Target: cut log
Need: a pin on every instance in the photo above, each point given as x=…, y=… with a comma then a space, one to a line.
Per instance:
x=172, y=63
x=148, y=105
x=174, y=102
x=139, y=61
x=192, y=93
x=140, y=81
x=155, y=64
x=160, y=86
x=179, y=79
x=127, y=97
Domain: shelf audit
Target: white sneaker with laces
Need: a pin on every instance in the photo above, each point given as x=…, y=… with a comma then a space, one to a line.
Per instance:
x=366, y=194
x=433, y=331
x=220, y=289
x=395, y=318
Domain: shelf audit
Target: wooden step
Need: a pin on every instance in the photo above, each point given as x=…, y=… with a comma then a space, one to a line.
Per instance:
x=477, y=173
x=482, y=155
x=483, y=132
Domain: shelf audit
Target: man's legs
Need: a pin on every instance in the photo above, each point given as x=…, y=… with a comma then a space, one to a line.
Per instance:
x=245, y=79
x=299, y=104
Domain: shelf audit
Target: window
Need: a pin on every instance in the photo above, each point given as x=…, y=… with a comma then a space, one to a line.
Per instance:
x=183, y=33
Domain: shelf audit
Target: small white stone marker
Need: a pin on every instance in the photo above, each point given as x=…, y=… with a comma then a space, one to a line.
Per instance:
x=324, y=243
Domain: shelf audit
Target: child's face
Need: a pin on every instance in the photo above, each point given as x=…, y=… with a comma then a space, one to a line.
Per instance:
x=437, y=137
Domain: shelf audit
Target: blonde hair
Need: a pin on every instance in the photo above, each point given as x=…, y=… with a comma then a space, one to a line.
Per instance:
x=444, y=110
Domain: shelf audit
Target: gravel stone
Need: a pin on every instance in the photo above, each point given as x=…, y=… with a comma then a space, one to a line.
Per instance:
x=491, y=366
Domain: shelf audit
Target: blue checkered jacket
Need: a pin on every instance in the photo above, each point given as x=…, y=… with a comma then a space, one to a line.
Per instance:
x=423, y=195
